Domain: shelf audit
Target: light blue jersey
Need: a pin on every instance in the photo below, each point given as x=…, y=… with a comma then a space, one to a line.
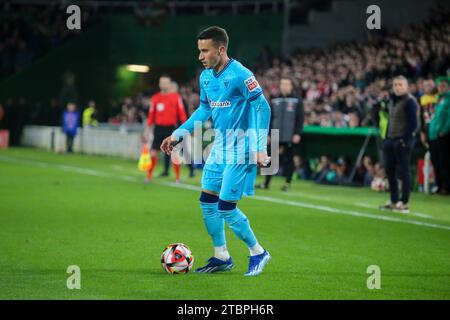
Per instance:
x=240, y=114
x=228, y=94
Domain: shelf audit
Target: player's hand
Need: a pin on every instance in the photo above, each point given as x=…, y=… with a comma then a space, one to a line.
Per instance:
x=168, y=144
x=262, y=159
x=296, y=138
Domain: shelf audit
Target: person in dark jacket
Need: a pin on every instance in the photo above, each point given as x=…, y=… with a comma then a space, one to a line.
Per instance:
x=397, y=147
x=287, y=117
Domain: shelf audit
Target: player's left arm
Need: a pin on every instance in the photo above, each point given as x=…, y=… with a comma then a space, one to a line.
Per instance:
x=262, y=108
x=253, y=93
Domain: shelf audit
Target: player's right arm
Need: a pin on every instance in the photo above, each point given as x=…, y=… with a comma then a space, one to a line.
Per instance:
x=200, y=115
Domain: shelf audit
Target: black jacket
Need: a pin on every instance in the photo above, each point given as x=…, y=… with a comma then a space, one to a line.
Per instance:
x=287, y=116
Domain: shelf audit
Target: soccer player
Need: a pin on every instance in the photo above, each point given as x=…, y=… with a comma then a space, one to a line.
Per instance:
x=166, y=112
x=230, y=94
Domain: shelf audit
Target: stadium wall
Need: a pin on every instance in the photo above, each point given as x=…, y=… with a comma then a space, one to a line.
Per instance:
x=119, y=143
x=125, y=141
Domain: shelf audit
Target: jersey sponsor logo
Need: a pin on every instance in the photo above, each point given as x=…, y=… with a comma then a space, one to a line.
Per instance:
x=160, y=106
x=220, y=104
x=251, y=83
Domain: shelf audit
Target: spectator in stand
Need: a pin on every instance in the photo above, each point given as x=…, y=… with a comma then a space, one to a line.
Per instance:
x=342, y=171
x=321, y=170
x=338, y=119
x=365, y=172
x=353, y=120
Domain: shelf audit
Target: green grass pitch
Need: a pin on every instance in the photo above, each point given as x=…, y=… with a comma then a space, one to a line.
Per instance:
x=58, y=210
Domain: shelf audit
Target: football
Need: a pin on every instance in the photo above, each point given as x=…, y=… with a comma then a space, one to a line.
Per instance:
x=177, y=258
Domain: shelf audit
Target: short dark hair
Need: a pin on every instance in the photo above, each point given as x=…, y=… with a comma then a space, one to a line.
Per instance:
x=218, y=35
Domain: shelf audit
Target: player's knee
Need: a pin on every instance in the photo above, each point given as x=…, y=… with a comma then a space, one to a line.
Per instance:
x=226, y=205
x=228, y=213
x=208, y=198
x=208, y=203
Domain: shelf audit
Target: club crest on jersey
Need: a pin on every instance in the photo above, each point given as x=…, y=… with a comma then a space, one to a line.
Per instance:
x=251, y=83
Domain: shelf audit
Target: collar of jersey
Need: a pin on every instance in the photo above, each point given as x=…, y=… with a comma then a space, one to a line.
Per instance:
x=221, y=71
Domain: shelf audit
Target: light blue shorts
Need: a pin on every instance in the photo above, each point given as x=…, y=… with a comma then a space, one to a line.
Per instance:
x=230, y=181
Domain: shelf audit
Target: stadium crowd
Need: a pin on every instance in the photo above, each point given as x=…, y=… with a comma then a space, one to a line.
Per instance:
x=343, y=86
x=27, y=32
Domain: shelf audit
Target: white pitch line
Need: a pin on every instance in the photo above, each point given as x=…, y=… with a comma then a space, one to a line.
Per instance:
x=308, y=196
x=358, y=204
x=321, y=208
x=68, y=168
x=412, y=213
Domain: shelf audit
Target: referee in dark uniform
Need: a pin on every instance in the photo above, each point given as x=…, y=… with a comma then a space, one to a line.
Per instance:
x=287, y=117
x=400, y=140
